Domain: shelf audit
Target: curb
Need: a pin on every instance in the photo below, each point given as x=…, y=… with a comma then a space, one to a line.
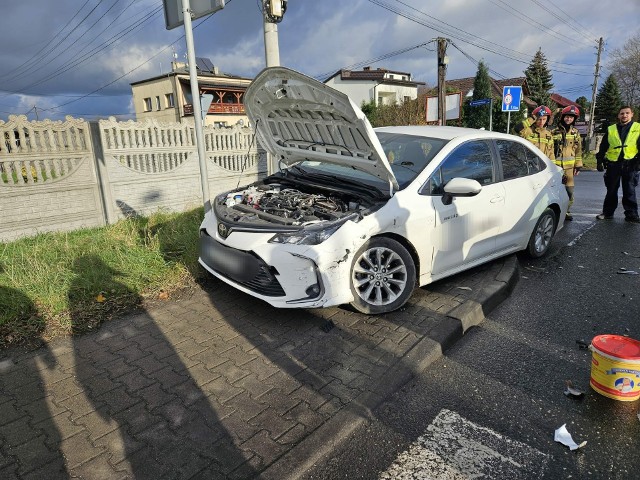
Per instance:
x=439, y=339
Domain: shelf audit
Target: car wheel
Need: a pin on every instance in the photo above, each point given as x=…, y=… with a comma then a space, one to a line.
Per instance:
x=382, y=276
x=540, y=240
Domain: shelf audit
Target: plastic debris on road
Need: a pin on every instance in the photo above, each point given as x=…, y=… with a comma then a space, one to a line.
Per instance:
x=563, y=436
x=631, y=255
x=582, y=345
x=624, y=271
x=571, y=391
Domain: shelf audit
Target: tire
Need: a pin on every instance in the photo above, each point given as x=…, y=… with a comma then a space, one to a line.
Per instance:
x=383, y=276
x=540, y=239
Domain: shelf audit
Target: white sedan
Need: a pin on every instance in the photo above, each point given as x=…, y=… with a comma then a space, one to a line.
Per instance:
x=361, y=216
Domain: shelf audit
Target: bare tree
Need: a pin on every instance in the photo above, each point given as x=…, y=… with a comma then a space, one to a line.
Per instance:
x=625, y=67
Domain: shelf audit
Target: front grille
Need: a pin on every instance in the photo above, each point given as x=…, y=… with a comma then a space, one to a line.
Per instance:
x=244, y=268
x=265, y=283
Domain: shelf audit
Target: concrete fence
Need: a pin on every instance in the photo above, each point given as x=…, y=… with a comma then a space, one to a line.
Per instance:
x=65, y=175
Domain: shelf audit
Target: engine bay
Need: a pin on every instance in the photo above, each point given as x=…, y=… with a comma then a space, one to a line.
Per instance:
x=282, y=204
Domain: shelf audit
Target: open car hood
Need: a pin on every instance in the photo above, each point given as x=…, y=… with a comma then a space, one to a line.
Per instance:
x=298, y=118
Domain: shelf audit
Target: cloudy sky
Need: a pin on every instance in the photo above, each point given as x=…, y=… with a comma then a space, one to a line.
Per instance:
x=78, y=57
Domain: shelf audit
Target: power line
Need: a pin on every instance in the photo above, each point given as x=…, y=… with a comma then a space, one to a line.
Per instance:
x=78, y=61
x=130, y=71
x=53, y=38
x=551, y=12
x=74, y=63
x=466, y=36
x=52, y=48
x=374, y=60
x=509, y=8
x=473, y=60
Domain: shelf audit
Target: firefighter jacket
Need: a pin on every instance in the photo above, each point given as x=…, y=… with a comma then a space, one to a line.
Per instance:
x=630, y=147
x=540, y=137
x=568, y=147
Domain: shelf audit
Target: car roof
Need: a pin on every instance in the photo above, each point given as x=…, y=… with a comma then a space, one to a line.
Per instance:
x=445, y=133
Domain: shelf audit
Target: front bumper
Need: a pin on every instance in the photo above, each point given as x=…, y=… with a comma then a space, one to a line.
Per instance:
x=285, y=276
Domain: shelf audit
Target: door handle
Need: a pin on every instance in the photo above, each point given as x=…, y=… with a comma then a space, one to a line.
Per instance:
x=496, y=199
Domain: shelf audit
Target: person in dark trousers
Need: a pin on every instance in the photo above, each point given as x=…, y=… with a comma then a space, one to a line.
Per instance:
x=618, y=154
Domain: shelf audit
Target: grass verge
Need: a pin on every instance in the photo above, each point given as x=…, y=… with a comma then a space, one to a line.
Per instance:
x=589, y=160
x=64, y=283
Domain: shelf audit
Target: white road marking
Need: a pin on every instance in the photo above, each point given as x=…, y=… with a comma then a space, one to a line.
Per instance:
x=454, y=448
x=575, y=240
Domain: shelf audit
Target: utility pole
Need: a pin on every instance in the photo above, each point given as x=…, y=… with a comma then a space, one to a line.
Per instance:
x=272, y=13
x=442, y=70
x=593, y=95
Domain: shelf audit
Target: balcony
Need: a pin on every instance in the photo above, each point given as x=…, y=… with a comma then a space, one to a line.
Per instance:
x=218, y=108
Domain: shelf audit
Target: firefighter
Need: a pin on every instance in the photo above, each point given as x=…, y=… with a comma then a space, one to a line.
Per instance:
x=535, y=130
x=568, y=149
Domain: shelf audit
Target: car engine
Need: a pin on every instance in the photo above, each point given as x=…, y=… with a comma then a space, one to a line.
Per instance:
x=284, y=205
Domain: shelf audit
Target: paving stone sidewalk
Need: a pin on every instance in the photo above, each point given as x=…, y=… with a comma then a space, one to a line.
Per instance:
x=220, y=385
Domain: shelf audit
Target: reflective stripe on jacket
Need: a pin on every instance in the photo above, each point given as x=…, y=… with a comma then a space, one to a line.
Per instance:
x=630, y=147
x=540, y=137
x=568, y=147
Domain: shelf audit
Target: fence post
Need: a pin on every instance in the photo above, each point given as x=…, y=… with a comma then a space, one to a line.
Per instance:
x=102, y=174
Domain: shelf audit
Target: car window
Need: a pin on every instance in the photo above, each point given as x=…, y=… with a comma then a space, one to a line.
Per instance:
x=534, y=162
x=470, y=160
x=513, y=157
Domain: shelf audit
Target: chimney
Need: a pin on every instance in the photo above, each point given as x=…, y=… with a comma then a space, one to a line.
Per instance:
x=366, y=69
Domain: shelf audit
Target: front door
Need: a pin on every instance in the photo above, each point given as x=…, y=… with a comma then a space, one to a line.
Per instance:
x=466, y=229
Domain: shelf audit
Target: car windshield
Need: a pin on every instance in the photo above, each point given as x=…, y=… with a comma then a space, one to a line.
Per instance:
x=408, y=155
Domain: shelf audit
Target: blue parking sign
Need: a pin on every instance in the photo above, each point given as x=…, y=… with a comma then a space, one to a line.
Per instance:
x=511, y=99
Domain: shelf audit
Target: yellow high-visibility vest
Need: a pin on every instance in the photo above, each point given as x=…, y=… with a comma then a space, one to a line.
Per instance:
x=629, y=149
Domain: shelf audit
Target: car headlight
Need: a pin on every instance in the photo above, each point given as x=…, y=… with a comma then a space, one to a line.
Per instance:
x=307, y=236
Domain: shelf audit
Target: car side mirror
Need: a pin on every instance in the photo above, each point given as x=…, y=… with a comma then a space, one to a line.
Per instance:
x=460, y=187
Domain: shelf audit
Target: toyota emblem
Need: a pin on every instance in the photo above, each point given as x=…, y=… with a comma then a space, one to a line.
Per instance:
x=222, y=230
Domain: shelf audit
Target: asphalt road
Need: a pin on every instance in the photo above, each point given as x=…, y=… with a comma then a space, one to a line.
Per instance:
x=490, y=407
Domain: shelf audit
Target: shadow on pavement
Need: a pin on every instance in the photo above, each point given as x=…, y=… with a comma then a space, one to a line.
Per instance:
x=146, y=415
x=29, y=437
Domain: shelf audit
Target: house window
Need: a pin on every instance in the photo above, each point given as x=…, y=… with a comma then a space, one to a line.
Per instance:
x=147, y=104
x=158, y=104
x=407, y=98
x=169, y=100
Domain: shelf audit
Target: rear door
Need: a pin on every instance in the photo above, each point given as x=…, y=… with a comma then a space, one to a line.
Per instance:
x=466, y=230
x=523, y=184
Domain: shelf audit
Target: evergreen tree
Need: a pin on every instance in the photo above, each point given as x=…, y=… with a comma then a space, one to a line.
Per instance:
x=585, y=106
x=478, y=117
x=501, y=119
x=539, y=80
x=608, y=102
